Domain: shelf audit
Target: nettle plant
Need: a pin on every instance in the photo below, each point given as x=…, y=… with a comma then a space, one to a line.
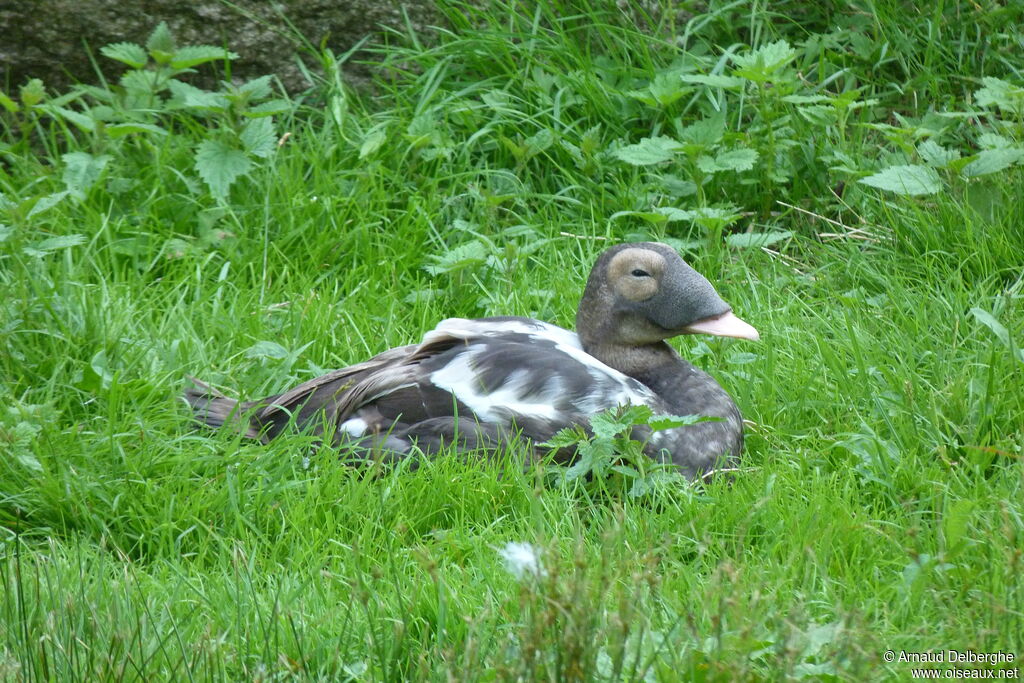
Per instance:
x=115, y=131
x=750, y=105
x=997, y=135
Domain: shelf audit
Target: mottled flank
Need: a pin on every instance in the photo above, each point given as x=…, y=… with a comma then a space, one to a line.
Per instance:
x=477, y=383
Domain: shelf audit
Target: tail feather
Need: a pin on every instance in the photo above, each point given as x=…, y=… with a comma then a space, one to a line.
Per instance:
x=215, y=410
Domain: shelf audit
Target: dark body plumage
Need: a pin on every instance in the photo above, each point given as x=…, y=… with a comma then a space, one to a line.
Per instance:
x=479, y=382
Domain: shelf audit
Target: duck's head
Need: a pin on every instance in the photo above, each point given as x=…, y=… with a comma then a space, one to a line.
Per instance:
x=645, y=292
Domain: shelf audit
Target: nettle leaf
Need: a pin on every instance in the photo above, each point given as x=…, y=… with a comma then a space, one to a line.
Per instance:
x=79, y=120
x=82, y=170
x=46, y=203
x=714, y=80
x=268, y=108
x=648, y=151
x=161, y=44
x=731, y=160
x=51, y=244
x=706, y=132
x=993, y=141
x=257, y=88
x=220, y=165
x=267, y=349
x=936, y=155
x=473, y=253
x=127, y=53
x=259, y=138
x=375, y=138
x=992, y=161
x=32, y=93
x=759, y=65
x=119, y=130
x=193, y=55
x=997, y=92
x=746, y=240
x=906, y=180
x=190, y=96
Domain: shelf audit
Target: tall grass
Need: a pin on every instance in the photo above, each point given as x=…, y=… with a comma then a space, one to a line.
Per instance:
x=879, y=506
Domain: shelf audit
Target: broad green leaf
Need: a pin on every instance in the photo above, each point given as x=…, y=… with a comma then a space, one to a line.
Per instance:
x=999, y=93
x=706, y=132
x=954, y=524
x=992, y=161
x=759, y=65
x=373, y=141
x=936, y=155
x=46, y=203
x=141, y=82
x=648, y=151
x=994, y=141
x=472, y=253
x=257, y=88
x=713, y=80
x=905, y=180
x=666, y=88
x=268, y=108
x=259, y=138
x=731, y=160
x=266, y=349
x=540, y=141
x=53, y=244
x=5, y=232
x=161, y=44
x=80, y=121
x=7, y=103
x=998, y=329
x=32, y=93
x=82, y=170
x=193, y=55
x=119, y=130
x=190, y=96
x=220, y=165
x=128, y=53
x=745, y=240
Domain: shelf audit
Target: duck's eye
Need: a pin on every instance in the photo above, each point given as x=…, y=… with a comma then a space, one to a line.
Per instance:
x=637, y=272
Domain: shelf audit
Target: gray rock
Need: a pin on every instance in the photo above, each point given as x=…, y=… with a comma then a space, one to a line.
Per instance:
x=53, y=39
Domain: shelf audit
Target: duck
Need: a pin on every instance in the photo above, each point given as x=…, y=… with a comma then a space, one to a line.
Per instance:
x=478, y=384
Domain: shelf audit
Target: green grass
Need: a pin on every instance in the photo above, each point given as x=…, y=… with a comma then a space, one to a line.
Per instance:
x=880, y=503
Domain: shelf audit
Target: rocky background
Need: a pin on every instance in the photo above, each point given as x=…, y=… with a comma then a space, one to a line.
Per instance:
x=59, y=40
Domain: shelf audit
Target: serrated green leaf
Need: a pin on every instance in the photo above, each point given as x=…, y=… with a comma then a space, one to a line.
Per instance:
x=745, y=240
x=161, y=44
x=194, y=55
x=46, y=203
x=936, y=155
x=267, y=349
x=268, y=108
x=706, y=132
x=905, y=180
x=220, y=165
x=141, y=82
x=713, y=80
x=257, y=88
x=81, y=171
x=119, y=130
x=760, y=64
x=731, y=160
x=648, y=151
x=992, y=161
x=127, y=53
x=259, y=138
x=51, y=244
x=472, y=253
x=188, y=95
x=994, y=141
x=954, y=525
x=373, y=141
x=80, y=121
x=32, y=93
x=5, y=232
x=997, y=92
